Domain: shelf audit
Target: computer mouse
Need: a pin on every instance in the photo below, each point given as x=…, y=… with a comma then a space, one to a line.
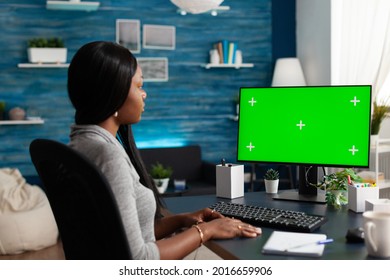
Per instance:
x=355, y=235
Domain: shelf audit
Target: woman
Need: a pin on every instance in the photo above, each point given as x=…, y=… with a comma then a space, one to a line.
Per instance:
x=105, y=88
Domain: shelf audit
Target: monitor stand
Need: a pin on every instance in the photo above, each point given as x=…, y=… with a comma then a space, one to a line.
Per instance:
x=306, y=192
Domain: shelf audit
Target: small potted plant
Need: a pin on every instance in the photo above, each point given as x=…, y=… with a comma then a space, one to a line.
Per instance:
x=271, y=180
x=42, y=50
x=161, y=176
x=336, y=186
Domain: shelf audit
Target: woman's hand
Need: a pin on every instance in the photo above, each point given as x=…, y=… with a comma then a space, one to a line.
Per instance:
x=225, y=228
x=203, y=215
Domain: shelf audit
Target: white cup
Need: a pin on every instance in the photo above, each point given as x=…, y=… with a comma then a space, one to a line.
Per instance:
x=377, y=233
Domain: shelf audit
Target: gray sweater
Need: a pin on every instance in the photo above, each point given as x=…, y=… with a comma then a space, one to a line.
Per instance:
x=136, y=202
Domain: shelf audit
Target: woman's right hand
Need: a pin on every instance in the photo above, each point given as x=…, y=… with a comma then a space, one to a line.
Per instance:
x=225, y=228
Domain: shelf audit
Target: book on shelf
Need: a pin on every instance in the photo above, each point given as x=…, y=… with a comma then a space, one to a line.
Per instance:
x=220, y=51
x=227, y=51
x=232, y=52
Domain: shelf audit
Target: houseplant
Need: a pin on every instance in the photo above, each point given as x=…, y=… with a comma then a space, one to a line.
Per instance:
x=378, y=115
x=271, y=180
x=161, y=176
x=42, y=50
x=336, y=186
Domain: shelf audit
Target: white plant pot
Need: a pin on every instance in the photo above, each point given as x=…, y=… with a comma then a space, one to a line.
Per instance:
x=373, y=140
x=47, y=55
x=162, y=184
x=271, y=186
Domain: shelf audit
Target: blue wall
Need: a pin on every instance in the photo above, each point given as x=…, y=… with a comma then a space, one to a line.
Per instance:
x=193, y=107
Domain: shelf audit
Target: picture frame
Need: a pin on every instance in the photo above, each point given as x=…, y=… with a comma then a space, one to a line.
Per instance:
x=154, y=69
x=128, y=34
x=161, y=37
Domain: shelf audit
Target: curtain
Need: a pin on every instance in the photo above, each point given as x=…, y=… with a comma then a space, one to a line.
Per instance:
x=361, y=44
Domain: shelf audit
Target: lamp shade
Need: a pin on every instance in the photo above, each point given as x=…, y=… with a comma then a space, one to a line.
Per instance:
x=197, y=6
x=288, y=72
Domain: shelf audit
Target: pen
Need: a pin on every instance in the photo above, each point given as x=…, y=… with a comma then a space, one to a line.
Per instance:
x=325, y=241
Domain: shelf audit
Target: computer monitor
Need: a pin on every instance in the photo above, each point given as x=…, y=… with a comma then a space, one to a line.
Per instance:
x=311, y=126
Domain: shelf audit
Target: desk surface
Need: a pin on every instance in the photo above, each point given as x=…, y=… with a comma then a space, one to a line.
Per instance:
x=339, y=221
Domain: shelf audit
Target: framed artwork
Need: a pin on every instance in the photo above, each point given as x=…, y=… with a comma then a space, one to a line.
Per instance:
x=161, y=37
x=154, y=69
x=128, y=34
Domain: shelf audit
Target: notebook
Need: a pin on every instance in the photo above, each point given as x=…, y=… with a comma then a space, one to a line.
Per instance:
x=294, y=243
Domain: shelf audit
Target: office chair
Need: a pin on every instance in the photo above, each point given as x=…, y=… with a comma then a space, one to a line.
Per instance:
x=82, y=202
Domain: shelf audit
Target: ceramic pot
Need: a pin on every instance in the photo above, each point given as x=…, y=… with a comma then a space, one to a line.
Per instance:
x=162, y=184
x=47, y=55
x=271, y=186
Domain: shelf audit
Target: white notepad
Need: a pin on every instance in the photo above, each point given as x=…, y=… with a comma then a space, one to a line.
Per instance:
x=294, y=243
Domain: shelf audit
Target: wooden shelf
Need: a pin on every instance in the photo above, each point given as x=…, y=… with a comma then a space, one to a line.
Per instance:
x=43, y=65
x=23, y=122
x=236, y=66
x=72, y=5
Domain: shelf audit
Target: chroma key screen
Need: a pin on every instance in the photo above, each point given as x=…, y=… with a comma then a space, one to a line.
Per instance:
x=313, y=125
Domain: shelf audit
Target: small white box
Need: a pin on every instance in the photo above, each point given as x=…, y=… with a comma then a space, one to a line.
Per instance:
x=230, y=181
x=379, y=205
x=357, y=196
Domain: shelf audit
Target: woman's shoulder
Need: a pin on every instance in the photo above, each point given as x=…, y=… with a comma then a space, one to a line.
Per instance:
x=94, y=144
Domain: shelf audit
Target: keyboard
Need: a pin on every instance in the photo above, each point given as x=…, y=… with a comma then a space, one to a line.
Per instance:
x=270, y=217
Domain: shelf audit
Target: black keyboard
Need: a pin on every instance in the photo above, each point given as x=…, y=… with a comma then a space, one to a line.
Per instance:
x=270, y=217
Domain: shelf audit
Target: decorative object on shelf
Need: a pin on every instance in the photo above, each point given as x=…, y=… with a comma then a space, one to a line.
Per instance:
x=238, y=57
x=336, y=186
x=214, y=56
x=271, y=181
x=161, y=176
x=74, y=5
x=2, y=109
x=17, y=114
x=199, y=6
x=42, y=50
x=288, y=72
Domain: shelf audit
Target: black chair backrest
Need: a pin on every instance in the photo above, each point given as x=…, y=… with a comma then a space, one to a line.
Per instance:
x=82, y=202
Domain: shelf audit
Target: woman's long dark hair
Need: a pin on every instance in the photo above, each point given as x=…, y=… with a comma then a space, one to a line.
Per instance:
x=125, y=134
x=99, y=79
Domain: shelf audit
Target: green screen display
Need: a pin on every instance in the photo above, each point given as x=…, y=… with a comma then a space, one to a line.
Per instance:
x=320, y=125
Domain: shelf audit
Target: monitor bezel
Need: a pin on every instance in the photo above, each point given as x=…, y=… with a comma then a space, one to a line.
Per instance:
x=301, y=163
